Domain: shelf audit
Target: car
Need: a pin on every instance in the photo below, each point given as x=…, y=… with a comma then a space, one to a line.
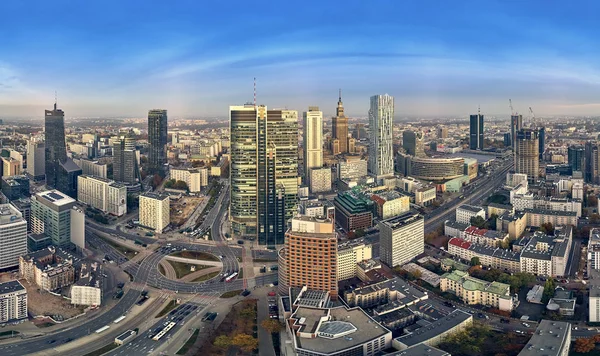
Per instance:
x=245, y=293
x=271, y=293
x=505, y=321
x=526, y=325
x=51, y=341
x=520, y=332
x=69, y=339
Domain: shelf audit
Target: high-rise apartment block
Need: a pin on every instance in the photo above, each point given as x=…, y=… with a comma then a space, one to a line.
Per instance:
x=36, y=159
x=102, y=194
x=352, y=168
x=93, y=168
x=339, y=128
x=310, y=255
x=157, y=138
x=412, y=142
x=381, y=122
x=13, y=301
x=476, y=132
x=13, y=236
x=516, y=124
x=591, y=163
x=313, y=140
x=125, y=162
x=54, y=214
x=195, y=178
x=320, y=180
x=527, y=153
x=154, y=211
x=402, y=238
x=264, y=171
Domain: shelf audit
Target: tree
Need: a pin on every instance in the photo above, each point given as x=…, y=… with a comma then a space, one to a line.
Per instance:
x=479, y=222
x=156, y=180
x=271, y=325
x=248, y=313
x=549, y=288
x=592, y=201
x=170, y=183
x=245, y=342
x=475, y=261
x=417, y=273
x=547, y=228
x=181, y=185
x=584, y=345
x=222, y=341
x=595, y=218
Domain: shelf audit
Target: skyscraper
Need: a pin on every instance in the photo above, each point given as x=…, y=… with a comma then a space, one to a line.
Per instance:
x=542, y=134
x=381, y=122
x=55, y=215
x=36, y=159
x=339, y=127
x=125, y=167
x=576, y=156
x=313, y=140
x=591, y=162
x=412, y=142
x=516, y=124
x=476, y=132
x=264, y=171
x=401, y=238
x=61, y=171
x=56, y=150
x=527, y=153
x=157, y=137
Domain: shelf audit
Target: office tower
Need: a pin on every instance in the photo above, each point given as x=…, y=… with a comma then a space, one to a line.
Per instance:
x=527, y=150
x=157, y=138
x=542, y=134
x=13, y=301
x=313, y=140
x=125, y=164
x=476, y=132
x=102, y=194
x=576, y=157
x=359, y=131
x=93, y=168
x=36, y=159
x=13, y=236
x=263, y=171
x=402, y=238
x=339, y=127
x=310, y=255
x=381, y=122
x=516, y=124
x=23, y=205
x=55, y=214
x=412, y=142
x=154, y=211
x=442, y=132
x=590, y=173
x=507, y=139
x=56, y=150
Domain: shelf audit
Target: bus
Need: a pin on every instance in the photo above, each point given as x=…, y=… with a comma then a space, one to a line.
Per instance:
x=119, y=319
x=104, y=328
x=164, y=331
x=231, y=277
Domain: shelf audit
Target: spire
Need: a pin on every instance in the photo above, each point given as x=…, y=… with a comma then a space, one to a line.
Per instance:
x=340, y=95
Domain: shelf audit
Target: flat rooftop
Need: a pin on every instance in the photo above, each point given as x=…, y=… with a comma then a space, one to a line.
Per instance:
x=11, y=287
x=420, y=350
x=55, y=197
x=549, y=339
x=435, y=328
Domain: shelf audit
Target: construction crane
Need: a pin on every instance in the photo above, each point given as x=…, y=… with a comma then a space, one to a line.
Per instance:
x=532, y=116
x=512, y=111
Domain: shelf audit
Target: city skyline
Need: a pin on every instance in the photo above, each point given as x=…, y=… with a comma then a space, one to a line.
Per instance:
x=106, y=61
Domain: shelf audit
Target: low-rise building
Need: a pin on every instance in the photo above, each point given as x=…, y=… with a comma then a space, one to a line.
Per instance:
x=88, y=289
x=425, y=196
x=493, y=257
x=476, y=291
x=49, y=269
x=551, y=338
x=13, y=301
x=498, y=209
x=424, y=274
x=455, y=229
x=484, y=236
x=513, y=223
x=353, y=211
x=433, y=333
x=465, y=212
x=390, y=204
x=538, y=217
x=392, y=291
x=563, y=302
x=547, y=255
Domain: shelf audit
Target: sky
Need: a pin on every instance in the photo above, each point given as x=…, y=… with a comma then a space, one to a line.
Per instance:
x=196, y=58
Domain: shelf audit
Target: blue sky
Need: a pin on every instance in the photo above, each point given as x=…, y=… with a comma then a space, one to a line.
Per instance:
x=198, y=57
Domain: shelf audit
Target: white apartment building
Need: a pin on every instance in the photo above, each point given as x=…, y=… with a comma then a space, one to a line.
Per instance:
x=593, y=250
x=547, y=255
x=402, y=238
x=102, y=194
x=594, y=285
x=13, y=301
x=531, y=201
x=92, y=168
x=88, y=289
x=537, y=217
x=313, y=141
x=154, y=211
x=425, y=196
x=476, y=291
x=465, y=212
x=195, y=178
x=381, y=123
x=349, y=254
x=352, y=168
x=390, y=204
x=320, y=180
x=13, y=236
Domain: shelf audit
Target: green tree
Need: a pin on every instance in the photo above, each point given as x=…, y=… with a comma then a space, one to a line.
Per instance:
x=475, y=261
x=271, y=325
x=547, y=228
x=156, y=180
x=479, y=222
x=181, y=185
x=245, y=342
x=222, y=341
x=549, y=288
x=248, y=313
x=595, y=218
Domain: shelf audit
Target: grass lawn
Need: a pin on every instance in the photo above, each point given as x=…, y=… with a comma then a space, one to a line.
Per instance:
x=206, y=277
x=183, y=269
x=103, y=350
x=129, y=253
x=196, y=255
x=172, y=304
x=188, y=344
x=231, y=293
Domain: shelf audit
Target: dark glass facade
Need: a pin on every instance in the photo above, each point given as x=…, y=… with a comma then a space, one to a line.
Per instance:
x=576, y=157
x=476, y=132
x=125, y=167
x=157, y=138
x=516, y=124
x=56, y=150
x=542, y=136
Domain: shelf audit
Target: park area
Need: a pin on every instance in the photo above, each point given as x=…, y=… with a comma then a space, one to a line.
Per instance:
x=182, y=209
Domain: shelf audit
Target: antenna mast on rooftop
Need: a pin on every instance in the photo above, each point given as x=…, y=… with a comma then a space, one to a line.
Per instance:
x=254, y=91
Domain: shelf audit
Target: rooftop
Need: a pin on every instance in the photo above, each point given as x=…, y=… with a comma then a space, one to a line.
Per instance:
x=420, y=350
x=474, y=284
x=549, y=339
x=551, y=212
x=471, y=208
x=155, y=196
x=11, y=287
x=402, y=220
x=55, y=197
x=434, y=329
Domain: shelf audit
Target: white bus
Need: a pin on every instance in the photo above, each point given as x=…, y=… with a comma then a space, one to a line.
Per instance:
x=119, y=319
x=106, y=327
x=164, y=331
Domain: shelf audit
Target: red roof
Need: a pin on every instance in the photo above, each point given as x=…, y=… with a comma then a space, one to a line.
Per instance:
x=460, y=243
x=474, y=230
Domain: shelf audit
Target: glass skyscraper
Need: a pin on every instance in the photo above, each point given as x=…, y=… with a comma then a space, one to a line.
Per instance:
x=264, y=172
x=157, y=137
x=381, y=124
x=476, y=132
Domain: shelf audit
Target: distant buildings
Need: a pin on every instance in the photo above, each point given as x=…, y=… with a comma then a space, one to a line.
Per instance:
x=102, y=194
x=155, y=211
x=476, y=291
x=412, y=142
x=13, y=236
x=312, y=140
x=339, y=128
x=401, y=238
x=13, y=301
x=527, y=153
x=310, y=255
x=54, y=214
x=264, y=172
x=195, y=178
x=381, y=122
x=591, y=163
x=157, y=138
x=476, y=132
